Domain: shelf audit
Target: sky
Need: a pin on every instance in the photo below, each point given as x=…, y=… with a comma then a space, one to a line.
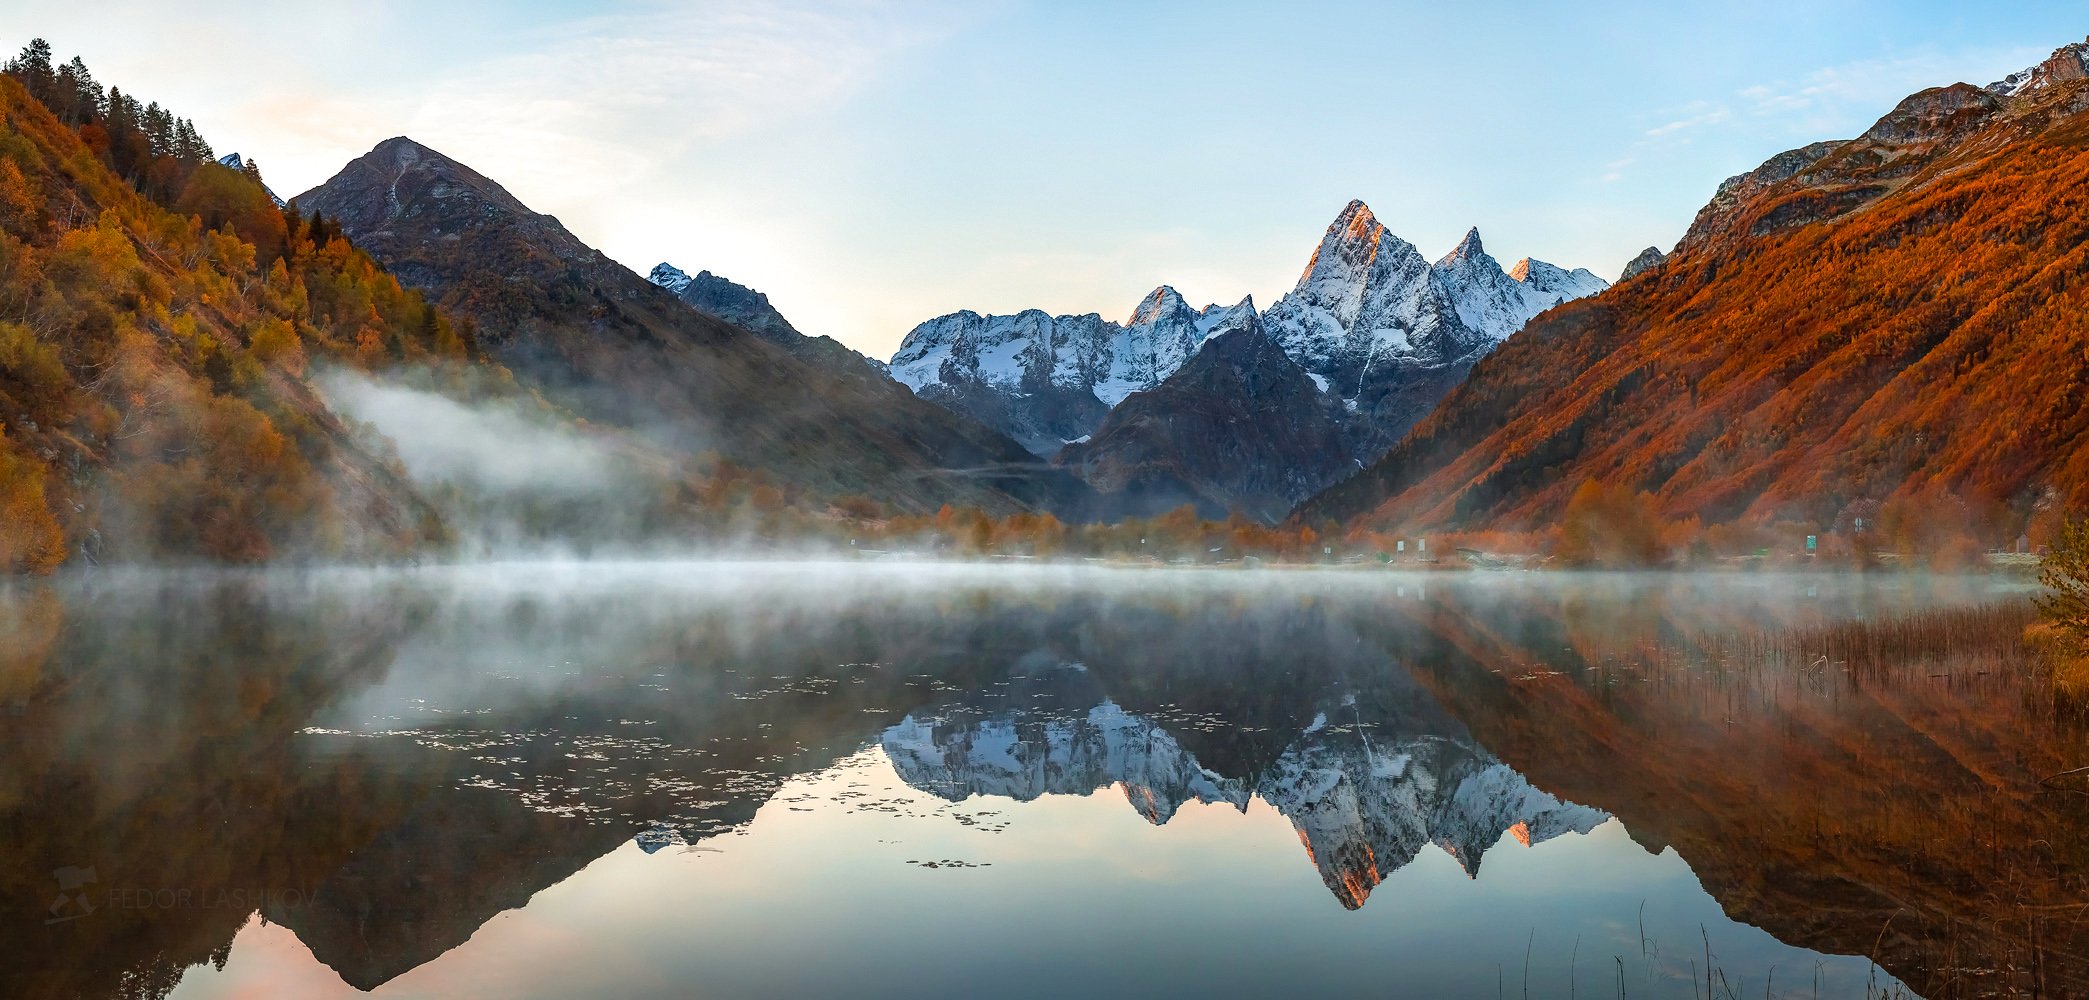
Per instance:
x=873, y=164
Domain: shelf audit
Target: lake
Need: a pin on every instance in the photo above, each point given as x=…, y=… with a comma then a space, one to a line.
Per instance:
x=866, y=779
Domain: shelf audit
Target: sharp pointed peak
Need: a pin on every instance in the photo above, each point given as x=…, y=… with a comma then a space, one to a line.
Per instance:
x=1468, y=249
x=1157, y=303
x=1354, y=217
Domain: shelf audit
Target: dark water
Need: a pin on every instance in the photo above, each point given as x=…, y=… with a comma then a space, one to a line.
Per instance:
x=784, y=780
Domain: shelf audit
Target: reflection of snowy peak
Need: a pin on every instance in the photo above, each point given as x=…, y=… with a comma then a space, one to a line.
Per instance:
x=1024, y=759
x=1366, y=808
x=1364, y=805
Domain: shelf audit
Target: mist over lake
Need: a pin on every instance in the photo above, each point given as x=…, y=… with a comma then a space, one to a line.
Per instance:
x=558, y=779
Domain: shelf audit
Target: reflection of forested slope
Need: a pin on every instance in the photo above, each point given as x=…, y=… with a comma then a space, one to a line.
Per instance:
x=1892, y=811
x=148, y=742
x=162, y=747
x=682, y=724
x=156, y=737
x=681, y=728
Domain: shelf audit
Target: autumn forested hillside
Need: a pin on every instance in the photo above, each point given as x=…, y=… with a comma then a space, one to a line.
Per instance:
x=1896, y=323
x=157, y=314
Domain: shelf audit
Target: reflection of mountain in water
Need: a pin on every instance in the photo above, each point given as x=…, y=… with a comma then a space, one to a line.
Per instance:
x=415, y=759
x=1365, y=798
x=1024, y=758
x=1366, y=805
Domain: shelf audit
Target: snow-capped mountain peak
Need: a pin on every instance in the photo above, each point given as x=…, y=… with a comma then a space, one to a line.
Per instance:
x=1376, y=320
x=1058, y=374
x=1356, y=221
x=2068, y=62
x=1554, y=282
x=670, y=277
x=1489, y=302
x=1160, y=304
x=1469, y=248
x=1370, y=319
x=1232, y=320
x=1215, y=316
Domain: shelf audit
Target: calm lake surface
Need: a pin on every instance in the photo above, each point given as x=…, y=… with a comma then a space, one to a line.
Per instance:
x=787, y=780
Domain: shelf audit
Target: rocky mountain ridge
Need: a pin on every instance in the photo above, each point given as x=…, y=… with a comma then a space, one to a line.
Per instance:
x=1813, y=342
x=1381, y=328
x=1046, y=380
x=598, y=339
x=1380, y=333
x=724, y=299
x=2067, y=63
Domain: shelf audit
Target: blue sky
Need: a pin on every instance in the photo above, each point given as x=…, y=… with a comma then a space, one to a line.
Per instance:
x=873, y=164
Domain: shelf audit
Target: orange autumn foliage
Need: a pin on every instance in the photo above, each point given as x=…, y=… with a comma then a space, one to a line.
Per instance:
x=1902, y=315
x=30, y=541
x=149, y=402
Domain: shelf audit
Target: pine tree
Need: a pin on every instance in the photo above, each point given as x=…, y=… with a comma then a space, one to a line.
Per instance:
x=78, y=98
x=159, y=129
x=199, y=150
x=33, y=68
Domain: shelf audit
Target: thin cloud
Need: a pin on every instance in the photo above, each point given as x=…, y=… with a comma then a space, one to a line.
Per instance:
x=1712, y=117
x=1839, y=97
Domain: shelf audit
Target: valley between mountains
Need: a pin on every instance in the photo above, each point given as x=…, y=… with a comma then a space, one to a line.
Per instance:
x=181, y=375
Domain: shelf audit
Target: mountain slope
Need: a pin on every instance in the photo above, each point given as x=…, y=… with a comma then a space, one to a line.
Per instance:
x=750, y=310
x=1896, y=316
x=610, y=345
x=1239, y=427
x=153, y=404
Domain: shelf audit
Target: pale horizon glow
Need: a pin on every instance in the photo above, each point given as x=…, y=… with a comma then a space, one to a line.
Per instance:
x=870, y=165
